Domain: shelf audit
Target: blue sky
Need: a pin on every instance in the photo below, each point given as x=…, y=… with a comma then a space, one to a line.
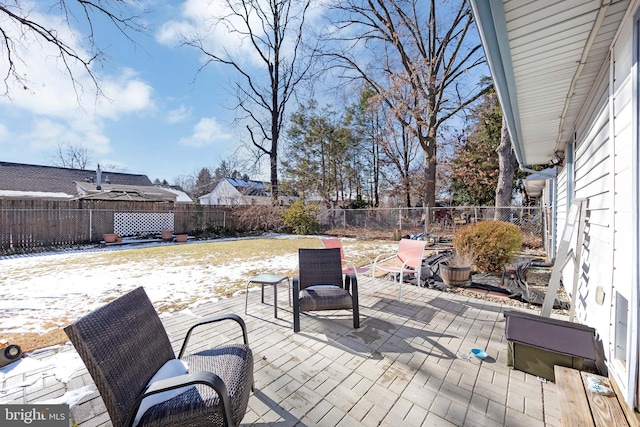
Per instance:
x=158, y=119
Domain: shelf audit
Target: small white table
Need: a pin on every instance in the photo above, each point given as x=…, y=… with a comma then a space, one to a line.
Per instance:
x=268, y=279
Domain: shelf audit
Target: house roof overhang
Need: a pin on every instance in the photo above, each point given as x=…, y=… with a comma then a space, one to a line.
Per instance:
x=545, y=57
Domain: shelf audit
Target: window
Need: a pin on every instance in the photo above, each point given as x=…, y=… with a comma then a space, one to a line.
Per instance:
x=620, y=344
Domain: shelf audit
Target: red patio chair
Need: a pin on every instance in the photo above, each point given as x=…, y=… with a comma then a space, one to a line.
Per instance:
x=408, y=259
x=349, y=265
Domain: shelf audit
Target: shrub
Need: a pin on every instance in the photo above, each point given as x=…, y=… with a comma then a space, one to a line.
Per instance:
x=494, y=243
x=301, y=218
x=258, y=218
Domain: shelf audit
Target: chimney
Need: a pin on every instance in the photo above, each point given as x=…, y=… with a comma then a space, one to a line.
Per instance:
x=98, y=178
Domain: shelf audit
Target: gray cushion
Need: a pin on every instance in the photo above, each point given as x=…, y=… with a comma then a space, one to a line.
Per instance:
x=315, y=298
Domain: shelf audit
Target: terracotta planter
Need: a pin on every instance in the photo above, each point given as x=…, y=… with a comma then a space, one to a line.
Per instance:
x=110, y=237
x=167, y=235
x=454, y=276
x=181, y=237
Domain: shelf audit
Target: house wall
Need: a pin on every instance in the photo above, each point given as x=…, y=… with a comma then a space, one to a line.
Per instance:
x=593, y=183
x=602, y=176
x=561, y=201
x=622, y=338
x=225, y=195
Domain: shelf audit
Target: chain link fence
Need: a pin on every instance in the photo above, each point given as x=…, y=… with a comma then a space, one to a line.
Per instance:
x=431, y=223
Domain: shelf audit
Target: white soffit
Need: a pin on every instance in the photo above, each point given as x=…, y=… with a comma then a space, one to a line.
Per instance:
x=547, y=39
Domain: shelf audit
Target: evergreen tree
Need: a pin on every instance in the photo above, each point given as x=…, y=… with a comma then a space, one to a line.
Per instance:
x=321, y=161
x=204, y=183
x=475, y=166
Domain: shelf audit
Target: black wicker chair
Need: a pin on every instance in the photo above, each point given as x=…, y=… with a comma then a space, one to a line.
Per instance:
x=123, y=344
x=320, y=287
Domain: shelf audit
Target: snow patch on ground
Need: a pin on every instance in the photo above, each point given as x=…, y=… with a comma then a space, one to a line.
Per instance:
x=52, y=297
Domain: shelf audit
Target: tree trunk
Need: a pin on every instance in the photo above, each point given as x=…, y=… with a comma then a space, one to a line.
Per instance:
x=506, y=160
x=273, y=157
x=428, y=144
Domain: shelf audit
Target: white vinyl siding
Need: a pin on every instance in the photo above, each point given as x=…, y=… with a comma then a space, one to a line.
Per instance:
x=593, y=182
x=622, y=224
x=561, y=203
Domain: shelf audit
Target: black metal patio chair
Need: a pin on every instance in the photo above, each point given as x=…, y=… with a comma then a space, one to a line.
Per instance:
x=320, y=286
x=124, y=345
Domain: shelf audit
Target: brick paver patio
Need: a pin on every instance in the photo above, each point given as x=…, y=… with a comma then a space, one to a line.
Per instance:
x=400, y=368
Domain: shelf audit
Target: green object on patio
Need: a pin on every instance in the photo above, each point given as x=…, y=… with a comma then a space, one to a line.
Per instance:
x=535, y=344
x=537, y=361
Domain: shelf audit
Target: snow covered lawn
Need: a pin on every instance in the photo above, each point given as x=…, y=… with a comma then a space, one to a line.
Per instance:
x=42, y=293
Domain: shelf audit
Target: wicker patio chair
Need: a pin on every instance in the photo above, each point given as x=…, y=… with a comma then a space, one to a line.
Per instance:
x=320, y=287
x=124, y=344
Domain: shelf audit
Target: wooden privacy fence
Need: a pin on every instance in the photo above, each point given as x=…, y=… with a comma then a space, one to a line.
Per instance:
x=29, y=224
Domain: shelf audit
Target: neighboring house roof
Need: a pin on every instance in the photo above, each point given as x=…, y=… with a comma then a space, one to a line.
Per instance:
x=87, y=190
x=34, y=194
x=182, y=196
x=249, y=187
x=228, y=188
x=232, y=191
x=23, y=180
x=545, y=58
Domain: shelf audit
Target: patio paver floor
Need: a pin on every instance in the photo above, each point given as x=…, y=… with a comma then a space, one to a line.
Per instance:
x=400, y=368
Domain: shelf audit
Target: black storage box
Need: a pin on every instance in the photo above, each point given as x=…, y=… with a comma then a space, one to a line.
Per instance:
x=536, y=344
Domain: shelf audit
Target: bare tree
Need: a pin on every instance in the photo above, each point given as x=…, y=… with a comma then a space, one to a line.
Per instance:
x=71, y=156
x=417, y=56
x=18, y=27
x=401, y=149
x=274, y=30
x=507, y=161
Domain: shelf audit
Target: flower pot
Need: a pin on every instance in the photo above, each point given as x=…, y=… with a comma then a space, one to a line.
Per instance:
x=110, y=237
x=181, y=237
x=397, y=235
x=454, y=276
x=167, y=235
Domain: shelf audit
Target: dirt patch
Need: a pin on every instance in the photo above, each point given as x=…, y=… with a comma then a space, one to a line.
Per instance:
x=31, y=341
x=536, y=277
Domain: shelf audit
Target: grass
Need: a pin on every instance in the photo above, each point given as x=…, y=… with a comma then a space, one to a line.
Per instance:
x=205, y=255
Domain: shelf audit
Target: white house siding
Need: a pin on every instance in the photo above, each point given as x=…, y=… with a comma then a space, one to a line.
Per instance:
x=593, y=182
x=225, y=194
x=622, y=163
x=561, y=202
